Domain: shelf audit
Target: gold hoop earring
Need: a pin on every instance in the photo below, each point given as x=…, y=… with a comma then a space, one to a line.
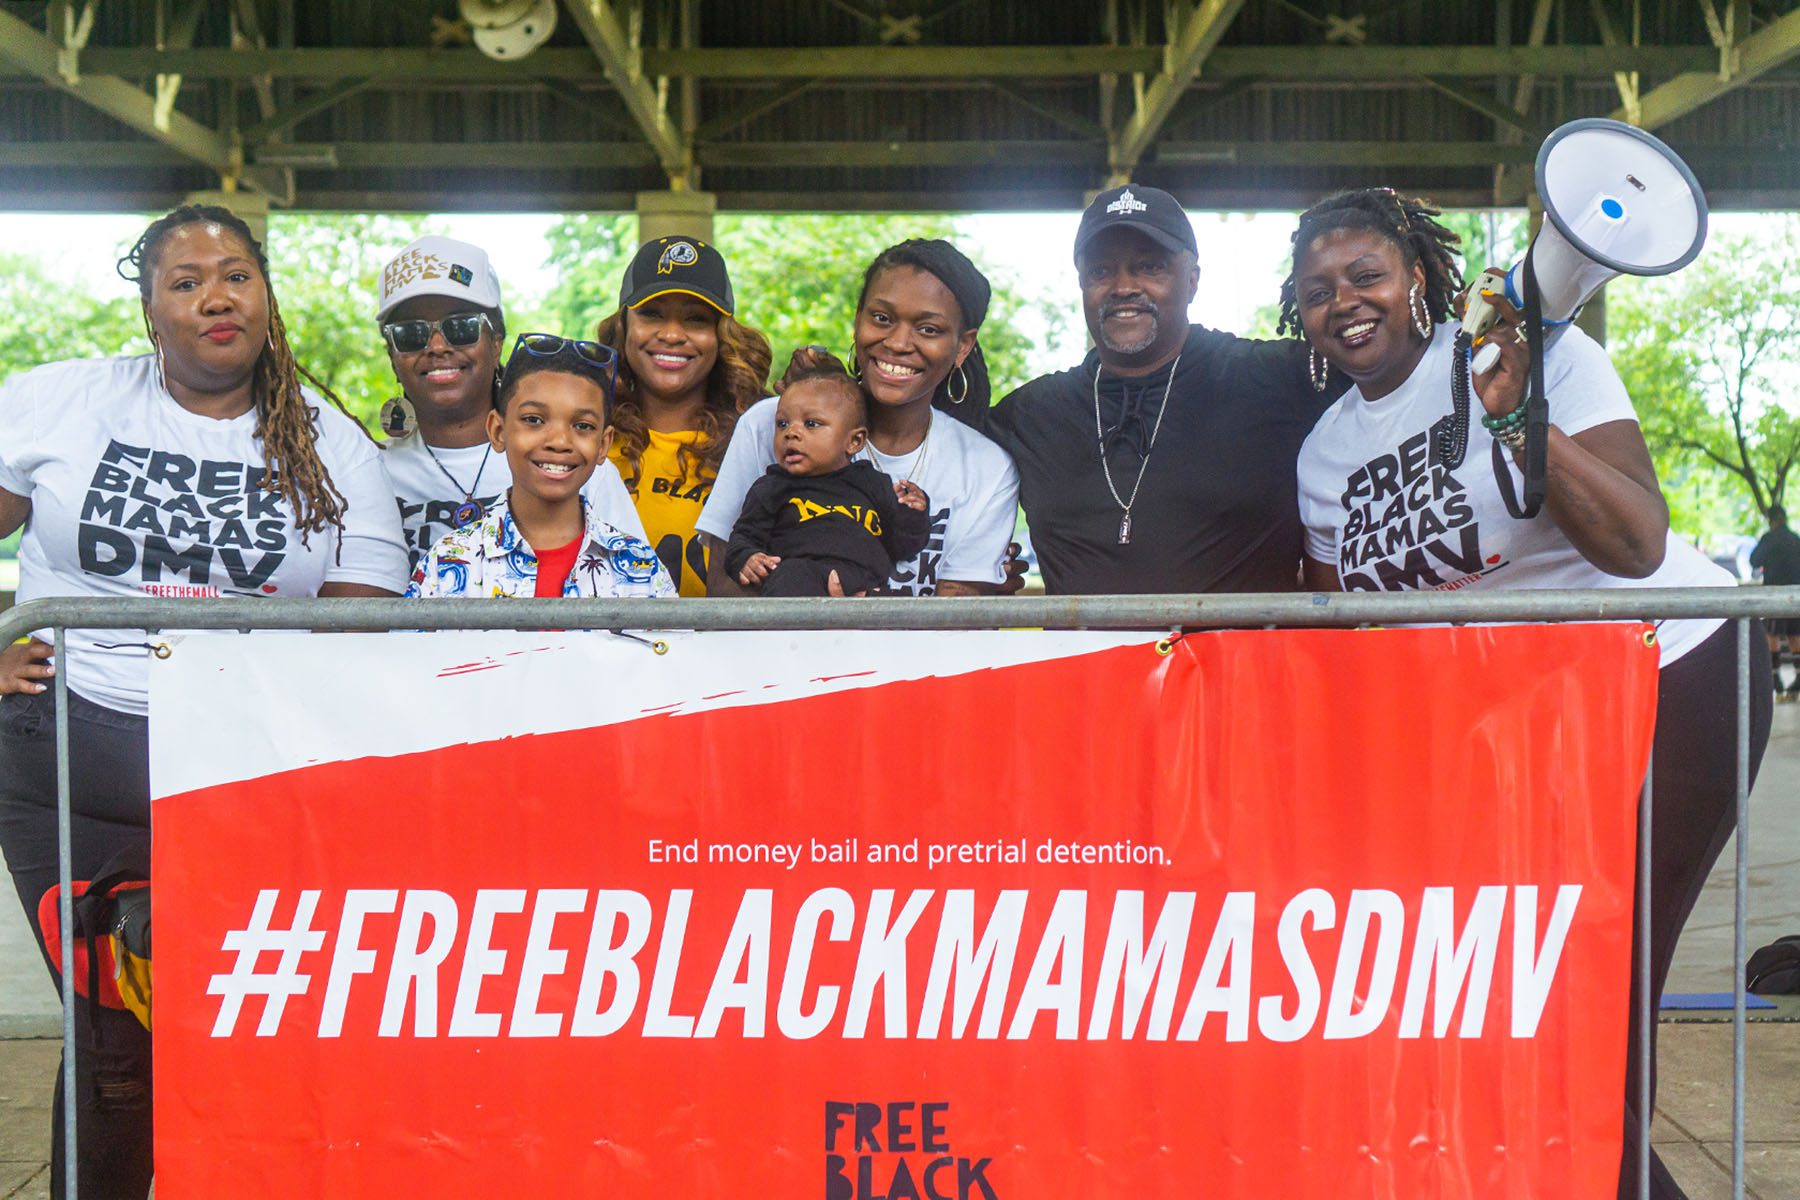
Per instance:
x=1421, y=315
x=1317, y=368
x=951, y=391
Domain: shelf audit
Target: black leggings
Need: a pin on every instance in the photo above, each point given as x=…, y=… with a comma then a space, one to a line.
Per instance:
x=110, y=793
x=1693, y=809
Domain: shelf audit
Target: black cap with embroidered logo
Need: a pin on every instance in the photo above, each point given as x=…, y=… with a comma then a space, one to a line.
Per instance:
x=680, y=265
x=1150, y=211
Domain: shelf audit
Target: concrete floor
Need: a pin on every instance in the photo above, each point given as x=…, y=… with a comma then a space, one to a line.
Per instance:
x=1693, y=1118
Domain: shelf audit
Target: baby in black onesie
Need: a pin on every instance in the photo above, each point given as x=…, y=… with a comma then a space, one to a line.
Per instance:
x=819, y=509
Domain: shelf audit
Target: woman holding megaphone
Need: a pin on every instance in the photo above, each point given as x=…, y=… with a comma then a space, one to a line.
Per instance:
x=1396, y=494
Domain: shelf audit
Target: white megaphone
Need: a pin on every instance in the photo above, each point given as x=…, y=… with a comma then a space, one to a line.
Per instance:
x=1616, y=202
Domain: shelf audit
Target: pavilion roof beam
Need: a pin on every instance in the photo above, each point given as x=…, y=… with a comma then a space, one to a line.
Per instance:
x=1503, y=114
x=177, y=32
x=622, y=63
x=25, y=48
x=246, y=33
x=1510, y=182
x=285, y=119
x=1627, y=81
x=1281, y=63
x=632, y=156
x=1744, y=56
x=1198, y=33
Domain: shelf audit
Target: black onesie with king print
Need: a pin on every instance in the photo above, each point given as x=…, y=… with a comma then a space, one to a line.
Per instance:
x=847, y=521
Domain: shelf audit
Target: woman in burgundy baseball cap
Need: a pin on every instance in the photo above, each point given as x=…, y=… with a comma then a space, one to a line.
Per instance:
x=687, y=368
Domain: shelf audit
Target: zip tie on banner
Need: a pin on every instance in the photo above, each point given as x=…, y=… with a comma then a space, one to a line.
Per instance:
x=159, y=649
x=657, y=645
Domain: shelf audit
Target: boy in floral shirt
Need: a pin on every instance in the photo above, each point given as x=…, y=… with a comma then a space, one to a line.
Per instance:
x=542, y=539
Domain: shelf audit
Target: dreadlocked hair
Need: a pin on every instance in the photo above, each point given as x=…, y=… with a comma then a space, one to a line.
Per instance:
x=286, y=424
x=738, y=379
x=964, y=280
x=1406, y=221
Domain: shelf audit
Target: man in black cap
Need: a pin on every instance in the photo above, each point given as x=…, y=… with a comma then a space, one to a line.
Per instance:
x=1165, y=461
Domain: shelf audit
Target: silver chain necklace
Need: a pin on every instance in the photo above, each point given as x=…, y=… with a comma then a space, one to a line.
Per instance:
x=1100, y=438
x=470, y=509
x=918, y=467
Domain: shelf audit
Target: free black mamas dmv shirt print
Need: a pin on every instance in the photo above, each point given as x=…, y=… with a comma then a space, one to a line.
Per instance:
x=133, y=495
x=1388, y=518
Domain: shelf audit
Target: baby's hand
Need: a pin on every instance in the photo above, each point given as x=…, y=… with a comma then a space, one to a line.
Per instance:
x=757, y=568
x=23, y=664
x=911, y=495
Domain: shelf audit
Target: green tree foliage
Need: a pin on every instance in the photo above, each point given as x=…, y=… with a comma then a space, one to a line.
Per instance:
x=1489, y=239
x=43, y=319
x=1708, y=357
x=797, y=279
x=326, y=269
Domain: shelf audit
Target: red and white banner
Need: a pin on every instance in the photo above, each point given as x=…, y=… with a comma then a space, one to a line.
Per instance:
x=888, y=916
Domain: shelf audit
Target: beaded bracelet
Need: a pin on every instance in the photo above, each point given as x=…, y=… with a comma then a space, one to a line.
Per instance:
x=1513, y=436
x=1495, y=425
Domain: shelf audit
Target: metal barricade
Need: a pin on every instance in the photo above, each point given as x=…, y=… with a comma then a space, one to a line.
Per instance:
x=1172, y=612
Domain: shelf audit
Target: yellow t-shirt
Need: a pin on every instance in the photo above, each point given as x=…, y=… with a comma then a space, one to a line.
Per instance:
x=669, y=504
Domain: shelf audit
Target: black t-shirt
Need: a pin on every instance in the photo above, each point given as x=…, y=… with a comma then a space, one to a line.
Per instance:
x=1218, y=509
x=850, y=514
x=1778, y=554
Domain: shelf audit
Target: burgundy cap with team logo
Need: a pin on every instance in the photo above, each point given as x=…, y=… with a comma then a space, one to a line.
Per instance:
x=682, y=265
x=1150, y=211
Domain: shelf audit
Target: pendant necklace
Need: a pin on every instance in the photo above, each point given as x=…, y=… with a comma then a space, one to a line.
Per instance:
x=918, y=466
x=470, y=509
x=1100, y=436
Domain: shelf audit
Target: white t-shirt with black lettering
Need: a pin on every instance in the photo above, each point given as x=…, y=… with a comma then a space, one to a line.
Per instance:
x=970, y=482
x=133, y=495
x=428, y=498
x=1389, y=519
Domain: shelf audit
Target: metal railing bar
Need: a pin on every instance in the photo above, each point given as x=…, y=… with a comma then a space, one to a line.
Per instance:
x=1290, y=609
x=1647, y=1001
x=65, y=905
x=1740, y=909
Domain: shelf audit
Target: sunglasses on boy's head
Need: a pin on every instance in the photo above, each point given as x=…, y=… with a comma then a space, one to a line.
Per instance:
x=602, y=361
x=549, y=345
x=459, y=329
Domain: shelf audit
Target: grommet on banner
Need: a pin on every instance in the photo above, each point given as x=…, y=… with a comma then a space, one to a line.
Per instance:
x=657, y=646
x=161, y=650
x=1166, y=647
x=1649, y=637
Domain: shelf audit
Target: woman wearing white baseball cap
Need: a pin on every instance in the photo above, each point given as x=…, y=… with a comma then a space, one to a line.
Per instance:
x=440, y=312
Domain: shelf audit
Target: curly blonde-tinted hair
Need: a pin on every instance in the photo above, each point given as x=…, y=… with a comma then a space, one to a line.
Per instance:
x=738, y=379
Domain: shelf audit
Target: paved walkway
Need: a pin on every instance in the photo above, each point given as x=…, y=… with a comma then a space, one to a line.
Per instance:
x=1693, y=1121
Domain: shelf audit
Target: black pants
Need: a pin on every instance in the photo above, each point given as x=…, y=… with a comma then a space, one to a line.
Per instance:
x=1693, y=787
x=809, y=576
x=110, y=794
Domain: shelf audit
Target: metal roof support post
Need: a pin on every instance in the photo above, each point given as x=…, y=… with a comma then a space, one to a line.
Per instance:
x=673, y=213
x=24, y=47
x=1201, y=29
x=1744, y=56
x=621, y=59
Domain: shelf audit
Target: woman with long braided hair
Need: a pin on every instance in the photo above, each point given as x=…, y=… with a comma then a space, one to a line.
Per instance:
x=201, y=469
x=1399, y=492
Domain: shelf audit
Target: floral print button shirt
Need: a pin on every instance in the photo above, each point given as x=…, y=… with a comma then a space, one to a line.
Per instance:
x=490, y=558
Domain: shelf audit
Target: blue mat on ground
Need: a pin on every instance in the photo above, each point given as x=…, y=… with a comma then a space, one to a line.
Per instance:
x=1706, y=1001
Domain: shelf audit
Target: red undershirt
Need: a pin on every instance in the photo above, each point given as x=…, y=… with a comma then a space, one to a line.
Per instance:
x=554, y=566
